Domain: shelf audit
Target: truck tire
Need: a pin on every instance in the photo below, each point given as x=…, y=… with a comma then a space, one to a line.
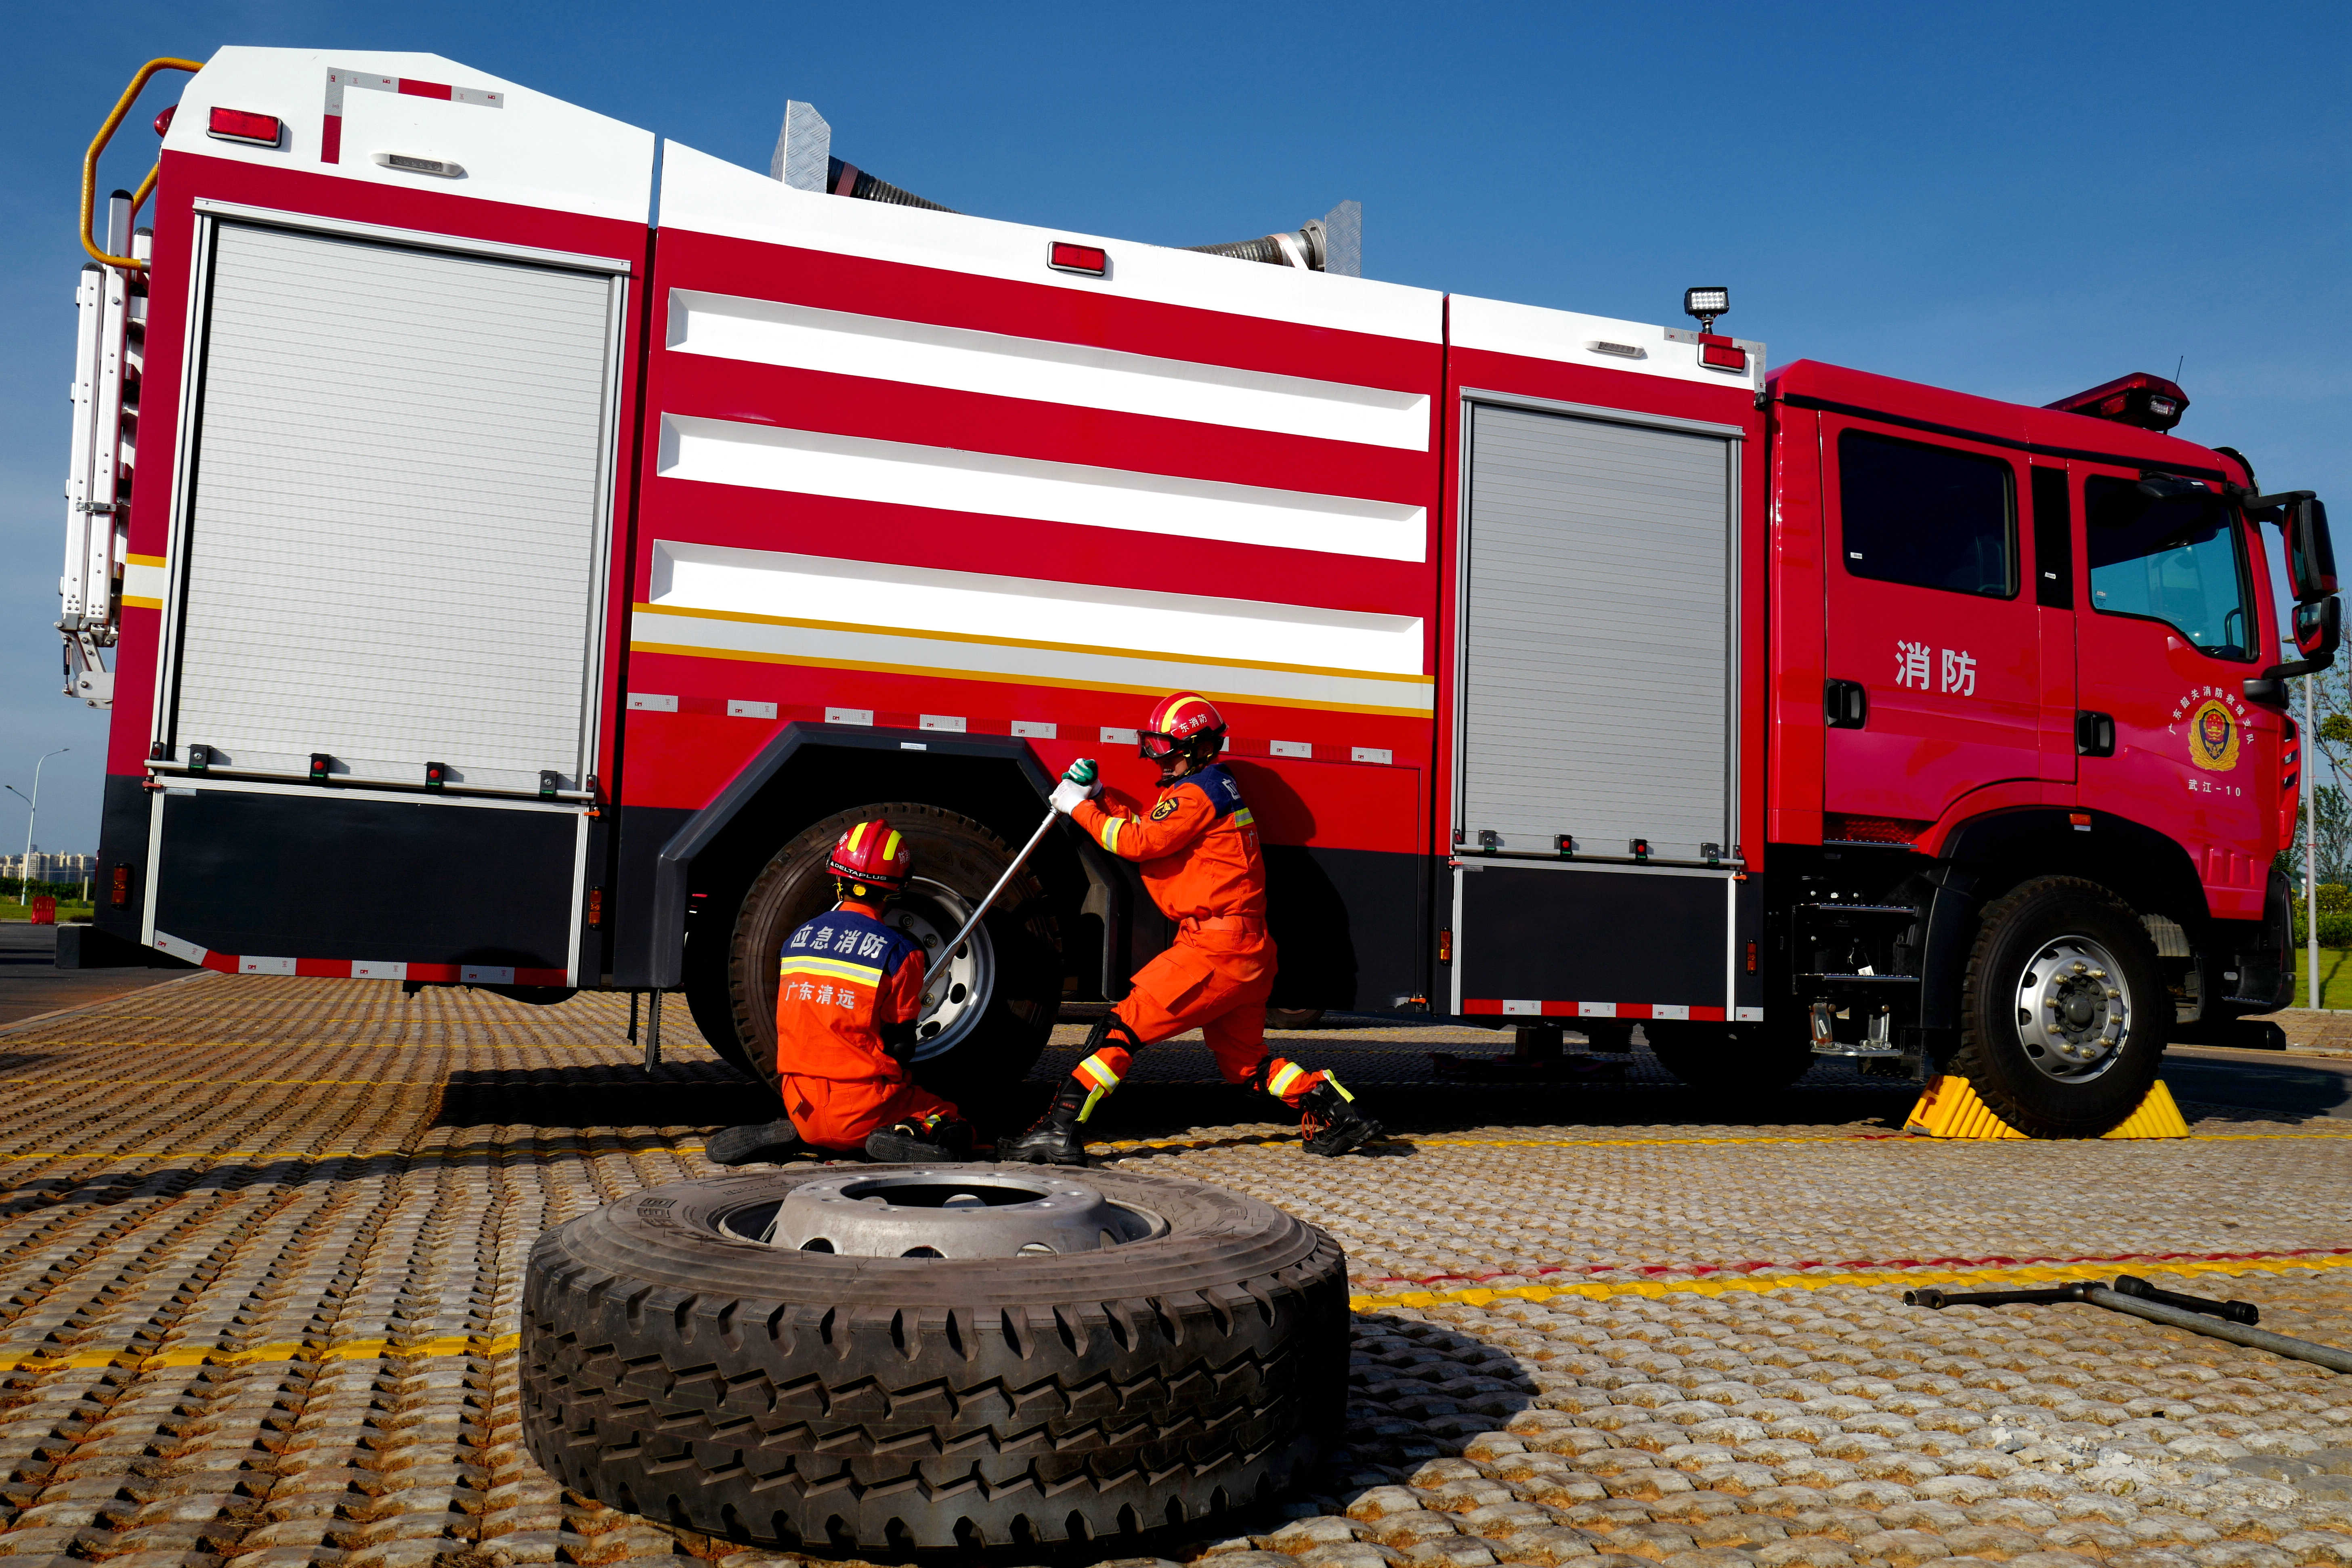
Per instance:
x=676, y=1368
x=992, y=1031
x=1294, y=1017
x=1730, y=1058
x=2064, y=1010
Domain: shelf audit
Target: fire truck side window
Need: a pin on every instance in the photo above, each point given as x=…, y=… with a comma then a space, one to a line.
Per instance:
x=2178, y=561
x=2054, y=541
x=1927, y=516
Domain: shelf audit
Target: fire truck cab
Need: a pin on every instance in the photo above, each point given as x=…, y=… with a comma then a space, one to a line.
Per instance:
x=511, y=545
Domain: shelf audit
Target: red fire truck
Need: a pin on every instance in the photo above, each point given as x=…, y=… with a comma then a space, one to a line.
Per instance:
x=511, y=545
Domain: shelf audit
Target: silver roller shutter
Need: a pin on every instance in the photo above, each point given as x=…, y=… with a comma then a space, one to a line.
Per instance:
x=1596, y=635
x=393, y=542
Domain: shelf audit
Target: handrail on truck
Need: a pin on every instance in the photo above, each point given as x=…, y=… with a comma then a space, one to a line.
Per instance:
x=105, y=134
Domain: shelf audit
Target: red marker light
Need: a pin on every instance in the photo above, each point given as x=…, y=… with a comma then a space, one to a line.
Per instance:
x=119, y=895
x=239, y=125
x=164, y=120
x=1090, y=259
x=1721, y=352
x=595, y=906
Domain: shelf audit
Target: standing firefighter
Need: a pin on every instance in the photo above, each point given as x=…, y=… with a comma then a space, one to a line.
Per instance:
x=1198, y=850
x=849, y=992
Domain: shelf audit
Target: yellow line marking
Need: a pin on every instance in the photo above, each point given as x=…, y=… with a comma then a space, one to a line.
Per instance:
x=1245, y=699
x=503, y=1151
x=350, y=1350
x=507, y=1343
x=875, y=629
x=144, y=561
x=1262, y=1140
x=236, y=1082
x=1481, y=1295
x=138, y=602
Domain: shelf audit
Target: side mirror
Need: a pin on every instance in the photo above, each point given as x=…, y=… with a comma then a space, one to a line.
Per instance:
x=2319, y=629
x=2310, y=554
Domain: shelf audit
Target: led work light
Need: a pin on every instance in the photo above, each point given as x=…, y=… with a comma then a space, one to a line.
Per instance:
x=1707, y=304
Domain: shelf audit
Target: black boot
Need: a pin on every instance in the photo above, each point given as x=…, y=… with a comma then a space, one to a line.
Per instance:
x=1056, y=1138
x=920, y=1140
x=766, y=1144
x=1328, y=1122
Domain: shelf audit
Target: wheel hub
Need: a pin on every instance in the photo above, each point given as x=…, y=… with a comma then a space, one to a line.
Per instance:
x=2073, y=1009
x=955, y=1211
x=931, y=913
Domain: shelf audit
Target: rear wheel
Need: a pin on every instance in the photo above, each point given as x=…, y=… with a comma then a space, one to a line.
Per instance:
x=1730, y=1058
x=2064, y=1012
x=1004, y=985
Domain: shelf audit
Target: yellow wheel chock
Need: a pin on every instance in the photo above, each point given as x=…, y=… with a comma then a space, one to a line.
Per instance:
x=1949, y=1108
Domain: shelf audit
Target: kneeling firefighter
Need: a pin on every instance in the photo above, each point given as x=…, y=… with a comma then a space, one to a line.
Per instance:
x=849, y=995
x=1200, y=861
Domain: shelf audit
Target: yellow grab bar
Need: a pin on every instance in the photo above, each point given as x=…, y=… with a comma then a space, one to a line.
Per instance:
x=105, y=134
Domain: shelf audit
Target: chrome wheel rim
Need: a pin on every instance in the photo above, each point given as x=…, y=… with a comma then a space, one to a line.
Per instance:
x=931, y=912
x=2074, y=1010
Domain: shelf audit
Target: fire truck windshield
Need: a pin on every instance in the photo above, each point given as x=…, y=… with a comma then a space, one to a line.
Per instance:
x=2177, y=561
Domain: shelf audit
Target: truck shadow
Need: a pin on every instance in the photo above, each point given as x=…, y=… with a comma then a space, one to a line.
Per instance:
x=1148, y=1111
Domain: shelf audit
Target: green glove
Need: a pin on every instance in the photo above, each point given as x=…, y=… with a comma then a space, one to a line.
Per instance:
x=1082, y=771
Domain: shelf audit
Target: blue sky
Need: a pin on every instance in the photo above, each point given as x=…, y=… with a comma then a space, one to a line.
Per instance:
x=2018, y=201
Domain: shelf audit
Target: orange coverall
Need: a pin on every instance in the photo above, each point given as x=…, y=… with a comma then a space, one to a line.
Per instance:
x=841, y=977
x=1197, y=848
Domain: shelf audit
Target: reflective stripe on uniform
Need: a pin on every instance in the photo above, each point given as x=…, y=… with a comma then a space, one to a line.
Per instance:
x=1100, y=1080
x=1242, y=817
x=1110, y=833
x=1282, y=1079
x=830, y=968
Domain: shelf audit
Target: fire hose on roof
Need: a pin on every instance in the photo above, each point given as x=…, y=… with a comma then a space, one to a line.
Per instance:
x=803, y=160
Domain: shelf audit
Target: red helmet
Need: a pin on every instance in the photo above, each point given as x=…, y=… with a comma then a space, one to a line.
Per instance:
x=1186, y=724
x=872, y=852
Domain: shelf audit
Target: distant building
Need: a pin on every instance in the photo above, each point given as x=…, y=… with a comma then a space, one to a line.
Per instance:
x=49, y=867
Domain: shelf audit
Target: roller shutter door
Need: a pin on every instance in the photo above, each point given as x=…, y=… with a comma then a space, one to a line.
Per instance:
x=1596, y=635
x=399, y=481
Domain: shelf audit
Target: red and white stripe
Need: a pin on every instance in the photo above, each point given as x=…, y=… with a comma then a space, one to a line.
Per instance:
x=1494, y=1007
x=330, y=139
x=355, y=968
x=898, y=465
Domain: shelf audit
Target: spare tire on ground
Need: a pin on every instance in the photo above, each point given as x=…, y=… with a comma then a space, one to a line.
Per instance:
x=1085, y=1353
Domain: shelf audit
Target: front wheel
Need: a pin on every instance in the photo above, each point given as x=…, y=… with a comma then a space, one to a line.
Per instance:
x=2064, y=1013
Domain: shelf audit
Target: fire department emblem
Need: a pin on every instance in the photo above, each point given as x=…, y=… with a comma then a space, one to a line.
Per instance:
x=1166, y=808
x=2213, y=736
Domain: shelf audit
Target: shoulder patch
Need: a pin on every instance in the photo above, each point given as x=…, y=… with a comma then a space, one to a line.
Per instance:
x=1166, y=808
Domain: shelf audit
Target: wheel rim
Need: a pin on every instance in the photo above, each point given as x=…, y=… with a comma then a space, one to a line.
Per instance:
x=2074, y=1010
x=931, y=913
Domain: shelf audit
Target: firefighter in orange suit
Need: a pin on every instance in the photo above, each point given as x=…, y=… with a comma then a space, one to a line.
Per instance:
x=849, y=993
x=1197, y=848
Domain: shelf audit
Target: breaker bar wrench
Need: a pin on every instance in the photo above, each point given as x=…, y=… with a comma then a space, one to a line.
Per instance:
x=947, y=953
x=2231, y=1321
